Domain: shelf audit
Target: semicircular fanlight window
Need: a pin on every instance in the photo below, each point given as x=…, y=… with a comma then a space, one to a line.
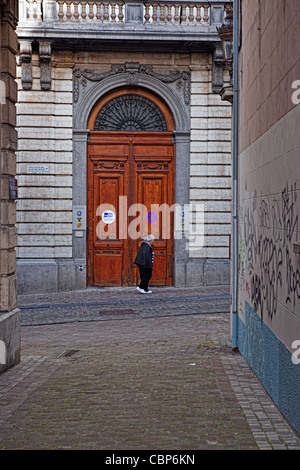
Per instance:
x=130, y=113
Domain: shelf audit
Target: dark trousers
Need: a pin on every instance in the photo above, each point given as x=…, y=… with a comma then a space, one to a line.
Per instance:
x=145, y=275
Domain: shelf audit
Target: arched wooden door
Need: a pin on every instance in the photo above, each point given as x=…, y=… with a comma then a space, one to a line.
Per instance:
x=130, y=181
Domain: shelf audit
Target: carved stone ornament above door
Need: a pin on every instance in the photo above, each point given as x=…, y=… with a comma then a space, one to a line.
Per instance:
x=132, y=72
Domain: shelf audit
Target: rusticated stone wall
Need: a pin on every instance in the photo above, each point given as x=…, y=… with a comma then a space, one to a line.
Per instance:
x=9, y=314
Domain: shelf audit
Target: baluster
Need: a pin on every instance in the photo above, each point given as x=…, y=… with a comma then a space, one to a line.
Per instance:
x=76, y=12
x=198, y=14
x=147, y=13
x=60, y=10
x=121, y=15
x=154, y=14
x=183, y=15
x=98, y=11
x=206, y=14
x=69, y=13
x=113, y=12
x=191, y=14
x=106, y=13
x=30, y=10
x=162, y=13
x=91, y=10
x=83, y=10
x=169, y=13
x=176, y=14
x=39, y=10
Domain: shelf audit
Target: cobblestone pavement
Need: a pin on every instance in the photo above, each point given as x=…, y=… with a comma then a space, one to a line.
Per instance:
x=111, y=369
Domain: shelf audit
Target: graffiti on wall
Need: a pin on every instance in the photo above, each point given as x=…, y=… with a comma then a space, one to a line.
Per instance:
x=268, y=267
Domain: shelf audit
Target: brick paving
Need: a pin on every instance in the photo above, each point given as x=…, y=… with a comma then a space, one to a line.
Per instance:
x=108, y=369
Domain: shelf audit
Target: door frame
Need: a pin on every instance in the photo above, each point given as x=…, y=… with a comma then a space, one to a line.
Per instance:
x=96, y=85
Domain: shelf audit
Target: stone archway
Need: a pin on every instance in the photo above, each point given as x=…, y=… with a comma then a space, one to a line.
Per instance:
x=130, y=165
x=173, y=89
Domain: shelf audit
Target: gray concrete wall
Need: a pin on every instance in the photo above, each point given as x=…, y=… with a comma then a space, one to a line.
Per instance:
x=269, y=199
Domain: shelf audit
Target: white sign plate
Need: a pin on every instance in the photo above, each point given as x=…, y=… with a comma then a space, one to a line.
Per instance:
x=108, y=216
x=37, y=168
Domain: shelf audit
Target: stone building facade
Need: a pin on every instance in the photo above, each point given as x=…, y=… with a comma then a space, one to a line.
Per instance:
x=75, y=59
x=9, y=314
x=268, y=327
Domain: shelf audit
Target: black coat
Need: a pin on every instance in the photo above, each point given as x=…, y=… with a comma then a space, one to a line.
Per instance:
x=144, y=258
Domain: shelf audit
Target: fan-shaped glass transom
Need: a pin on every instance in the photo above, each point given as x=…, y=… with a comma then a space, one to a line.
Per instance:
x=130, y=113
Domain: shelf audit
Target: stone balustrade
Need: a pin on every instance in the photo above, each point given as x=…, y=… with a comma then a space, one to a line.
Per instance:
x=166, y=13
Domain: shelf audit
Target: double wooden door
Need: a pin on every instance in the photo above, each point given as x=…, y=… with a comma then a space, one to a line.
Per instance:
x=130, y=178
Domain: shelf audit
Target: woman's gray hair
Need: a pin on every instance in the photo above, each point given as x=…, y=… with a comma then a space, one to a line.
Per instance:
x=149, y=237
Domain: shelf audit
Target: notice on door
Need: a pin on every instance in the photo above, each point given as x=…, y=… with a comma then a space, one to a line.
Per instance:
x=108, y=217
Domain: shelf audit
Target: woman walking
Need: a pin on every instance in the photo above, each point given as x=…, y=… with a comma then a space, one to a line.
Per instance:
x=144, y=261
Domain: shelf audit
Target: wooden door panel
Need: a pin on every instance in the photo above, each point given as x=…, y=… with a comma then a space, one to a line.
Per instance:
x=108, y=249
x=106, y=182
x=108, y=267
x=151, y=197
x=106, y=198
x=160, y=268
x=152, y=151
x=154, y=189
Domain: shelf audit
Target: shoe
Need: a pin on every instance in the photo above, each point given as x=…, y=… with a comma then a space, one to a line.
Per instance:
x=141, y=290
x=148, y=291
